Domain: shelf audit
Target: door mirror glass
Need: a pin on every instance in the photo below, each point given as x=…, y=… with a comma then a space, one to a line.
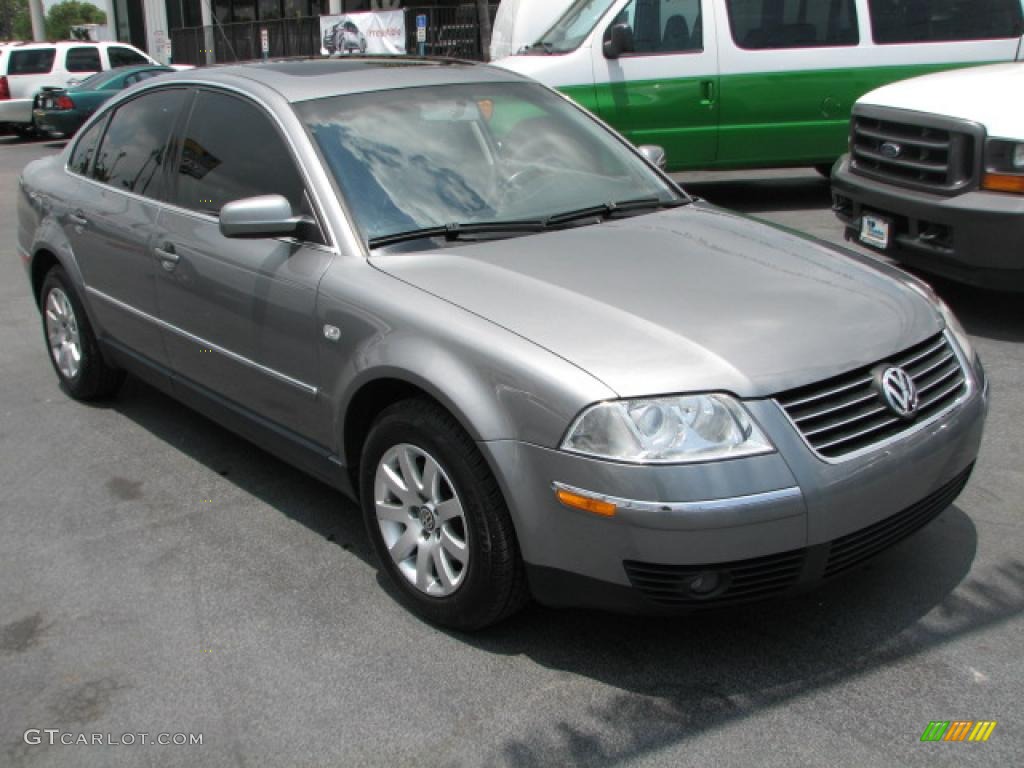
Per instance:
x=654, y=155
x=262, y=216
x=620, y=41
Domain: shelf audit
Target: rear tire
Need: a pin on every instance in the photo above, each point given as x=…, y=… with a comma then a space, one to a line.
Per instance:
x=437, y=519
x=71, y=343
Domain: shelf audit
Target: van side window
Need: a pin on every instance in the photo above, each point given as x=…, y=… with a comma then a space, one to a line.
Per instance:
x=662, y=26
x=933, y=21
x=773, y=24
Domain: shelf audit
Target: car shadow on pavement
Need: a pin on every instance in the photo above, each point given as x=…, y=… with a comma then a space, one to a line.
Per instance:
x=991, y=314
x=680, y=677
x=759, y=195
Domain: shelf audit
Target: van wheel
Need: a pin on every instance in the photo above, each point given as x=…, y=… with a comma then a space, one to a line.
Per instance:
x=74, y=353
x=25, y=132
x=438, y=520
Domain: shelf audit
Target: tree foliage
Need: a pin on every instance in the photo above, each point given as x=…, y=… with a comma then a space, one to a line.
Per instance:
x=63, y=16
x=15, y=22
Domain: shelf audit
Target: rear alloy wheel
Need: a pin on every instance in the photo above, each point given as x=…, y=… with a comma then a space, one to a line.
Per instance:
x=71, y=343
x=437, y=519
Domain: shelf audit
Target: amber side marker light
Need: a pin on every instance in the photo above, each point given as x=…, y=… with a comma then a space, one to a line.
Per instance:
x=587, y=504
x=1000, y=182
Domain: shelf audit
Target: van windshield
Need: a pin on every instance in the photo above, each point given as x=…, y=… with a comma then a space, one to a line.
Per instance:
x=572, y=29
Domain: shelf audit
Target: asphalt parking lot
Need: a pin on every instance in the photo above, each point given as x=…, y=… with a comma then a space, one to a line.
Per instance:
x=160, y=575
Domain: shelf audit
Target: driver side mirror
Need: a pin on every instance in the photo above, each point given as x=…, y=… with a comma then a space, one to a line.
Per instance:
x=620, y=41
x=262, y=216
x=654, y=155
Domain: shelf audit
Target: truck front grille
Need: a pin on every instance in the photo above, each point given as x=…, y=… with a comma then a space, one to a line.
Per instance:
x=847, y=413
x=931, y=154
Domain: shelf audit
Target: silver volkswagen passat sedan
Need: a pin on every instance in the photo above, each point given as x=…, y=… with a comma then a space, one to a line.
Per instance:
x=540, y=367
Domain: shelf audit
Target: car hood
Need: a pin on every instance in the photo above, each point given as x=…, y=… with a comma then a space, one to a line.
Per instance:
x=691, y=299
x=979, y=94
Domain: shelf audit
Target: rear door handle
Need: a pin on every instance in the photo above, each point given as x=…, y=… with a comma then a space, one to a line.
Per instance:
x=168, y=257
x=78, y=219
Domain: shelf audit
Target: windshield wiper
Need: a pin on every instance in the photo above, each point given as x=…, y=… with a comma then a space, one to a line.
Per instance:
x=611, y=210
x=455, y=231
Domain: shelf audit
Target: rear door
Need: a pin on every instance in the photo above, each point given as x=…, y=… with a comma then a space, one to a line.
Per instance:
x=240, y=312
x=666, y=91
x=113, y=199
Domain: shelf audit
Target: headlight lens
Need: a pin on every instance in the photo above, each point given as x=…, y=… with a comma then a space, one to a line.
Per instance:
x=1004, y=166
x=667, y=430
x=952, y=323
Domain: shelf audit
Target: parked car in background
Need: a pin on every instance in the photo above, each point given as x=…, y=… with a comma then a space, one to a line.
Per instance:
x=27, y=68
x=935, y=174
x=63, y=110
x=538, y=364
x=748, y=83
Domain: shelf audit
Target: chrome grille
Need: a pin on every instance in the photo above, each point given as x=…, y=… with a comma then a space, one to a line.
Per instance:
x=934, y=155
x=847, y=413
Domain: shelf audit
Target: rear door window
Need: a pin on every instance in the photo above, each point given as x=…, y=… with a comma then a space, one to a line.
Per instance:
x=125, y=57
x=86, y=148
x=935, y=21
x=38, y=61
x=134, y=148
x=775, y=24
x=84, y=59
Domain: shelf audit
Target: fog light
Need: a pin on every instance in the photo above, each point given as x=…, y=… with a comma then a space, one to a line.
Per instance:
x=706, y=583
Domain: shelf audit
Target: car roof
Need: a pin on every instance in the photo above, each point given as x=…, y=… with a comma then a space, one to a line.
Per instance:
x=32, y=45
x=315, y=78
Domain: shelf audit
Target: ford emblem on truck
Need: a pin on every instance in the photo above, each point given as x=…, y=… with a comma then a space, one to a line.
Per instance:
x=891, y=149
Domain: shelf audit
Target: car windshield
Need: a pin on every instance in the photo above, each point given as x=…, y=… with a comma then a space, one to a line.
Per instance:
x=569, y=32
x=473, y=154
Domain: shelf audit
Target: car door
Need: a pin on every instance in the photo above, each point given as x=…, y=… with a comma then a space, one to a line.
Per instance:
x=665, y=91
x=110, y=215
x=240, y=312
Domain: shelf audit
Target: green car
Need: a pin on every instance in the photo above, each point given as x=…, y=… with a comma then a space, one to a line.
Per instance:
x=63, y=110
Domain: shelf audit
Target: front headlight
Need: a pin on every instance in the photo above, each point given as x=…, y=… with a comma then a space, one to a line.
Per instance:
x=667, y=430
x=963, y=340
x=1004, y=166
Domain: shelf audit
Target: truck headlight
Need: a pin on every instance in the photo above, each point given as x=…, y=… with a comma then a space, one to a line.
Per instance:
x=1004, y=166
x=667, y=430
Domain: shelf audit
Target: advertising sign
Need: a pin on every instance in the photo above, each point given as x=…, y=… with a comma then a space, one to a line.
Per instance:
x=358, y=33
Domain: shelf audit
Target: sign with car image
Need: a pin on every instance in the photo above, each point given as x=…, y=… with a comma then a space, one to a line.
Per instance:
x=363, y=33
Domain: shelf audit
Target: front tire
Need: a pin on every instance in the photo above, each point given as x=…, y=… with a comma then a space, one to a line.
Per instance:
x=70, y=340
x=437, y=519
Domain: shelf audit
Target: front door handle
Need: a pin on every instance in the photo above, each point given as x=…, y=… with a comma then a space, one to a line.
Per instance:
x=168, y=257
x=78, y=219
x=707, y=92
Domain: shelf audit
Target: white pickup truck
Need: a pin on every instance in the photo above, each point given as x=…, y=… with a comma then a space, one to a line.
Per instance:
x=935, y=174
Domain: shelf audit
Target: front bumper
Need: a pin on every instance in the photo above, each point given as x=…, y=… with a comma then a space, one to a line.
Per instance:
x=16, y=111
x=973, y=237
x=738, y=521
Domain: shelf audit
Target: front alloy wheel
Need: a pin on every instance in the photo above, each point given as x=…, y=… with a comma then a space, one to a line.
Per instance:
x=421, y=520
x=62, y=333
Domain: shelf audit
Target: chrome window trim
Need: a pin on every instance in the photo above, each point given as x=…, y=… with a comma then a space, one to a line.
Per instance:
x=970, y=384
x=319, y=208
x=282, y=377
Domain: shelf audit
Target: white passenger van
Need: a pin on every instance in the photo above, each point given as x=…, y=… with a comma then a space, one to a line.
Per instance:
x=519, y=23
x=747, y=83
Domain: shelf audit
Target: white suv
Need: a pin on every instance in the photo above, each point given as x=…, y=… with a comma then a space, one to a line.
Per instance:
x=25, y=68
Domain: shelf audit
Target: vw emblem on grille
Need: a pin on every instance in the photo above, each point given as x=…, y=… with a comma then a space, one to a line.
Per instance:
x=899, y=391
x=891, y=149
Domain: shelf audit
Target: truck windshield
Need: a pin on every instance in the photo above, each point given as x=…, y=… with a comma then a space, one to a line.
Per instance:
x=572, y=29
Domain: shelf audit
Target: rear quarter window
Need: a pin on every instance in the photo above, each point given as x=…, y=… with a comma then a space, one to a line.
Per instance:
x=125, y=57
x=38, y=61
x=84, y=59
x=936, y=21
